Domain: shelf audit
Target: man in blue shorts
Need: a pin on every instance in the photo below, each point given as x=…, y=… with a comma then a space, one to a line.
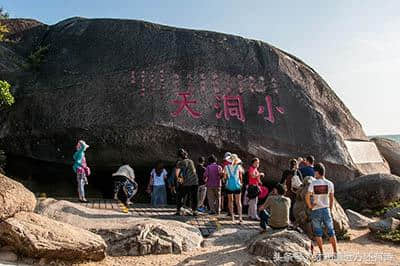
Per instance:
x=321, y=190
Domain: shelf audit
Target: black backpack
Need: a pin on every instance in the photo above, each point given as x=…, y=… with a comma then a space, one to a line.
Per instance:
x=253, y=191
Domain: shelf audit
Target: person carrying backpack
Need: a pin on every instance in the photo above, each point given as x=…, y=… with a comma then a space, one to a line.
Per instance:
x=292, y=180
x=233, y=174
x=187, y=178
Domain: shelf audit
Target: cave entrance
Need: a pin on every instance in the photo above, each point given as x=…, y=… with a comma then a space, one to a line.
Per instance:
x=59, y=181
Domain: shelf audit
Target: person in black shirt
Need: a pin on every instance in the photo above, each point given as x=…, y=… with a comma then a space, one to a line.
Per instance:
x=293, y=168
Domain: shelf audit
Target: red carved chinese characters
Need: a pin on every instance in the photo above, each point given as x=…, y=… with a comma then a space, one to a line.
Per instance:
x=233, y=107
x=270, y=110
x=184, y=104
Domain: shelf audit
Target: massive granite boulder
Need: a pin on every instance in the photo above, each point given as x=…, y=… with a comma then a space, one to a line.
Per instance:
x=390, y=150
x=14, y=198
x=136, y=91
x=370, y=191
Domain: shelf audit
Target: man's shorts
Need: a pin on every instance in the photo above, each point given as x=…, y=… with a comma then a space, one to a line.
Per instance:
x=321, y=217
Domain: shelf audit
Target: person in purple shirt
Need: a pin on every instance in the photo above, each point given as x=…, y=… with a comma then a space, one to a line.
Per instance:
x=212, y=176
x=308, y=170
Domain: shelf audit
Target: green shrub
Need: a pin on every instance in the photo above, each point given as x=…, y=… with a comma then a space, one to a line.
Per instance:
x=393, y=236
x=382, y=211
x=36, y=58
x=6, y=98
x=3, y=30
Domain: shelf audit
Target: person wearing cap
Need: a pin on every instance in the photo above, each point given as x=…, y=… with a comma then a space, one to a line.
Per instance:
x=233, y=174
x=81, y=169
x=125, y=179
x=226, y=161
x=187, y=178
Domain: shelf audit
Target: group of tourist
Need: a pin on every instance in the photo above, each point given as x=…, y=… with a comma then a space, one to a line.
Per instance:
x=194, y=183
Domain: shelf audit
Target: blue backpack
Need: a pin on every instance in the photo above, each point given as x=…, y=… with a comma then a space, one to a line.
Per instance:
x=233, y=182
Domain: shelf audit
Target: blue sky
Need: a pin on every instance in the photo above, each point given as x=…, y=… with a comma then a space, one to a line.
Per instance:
x=353, y=44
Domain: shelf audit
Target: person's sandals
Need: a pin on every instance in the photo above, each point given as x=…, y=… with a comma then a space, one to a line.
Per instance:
x=319, y=257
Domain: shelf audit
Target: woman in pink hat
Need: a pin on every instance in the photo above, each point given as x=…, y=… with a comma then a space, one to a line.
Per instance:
x=81, y=169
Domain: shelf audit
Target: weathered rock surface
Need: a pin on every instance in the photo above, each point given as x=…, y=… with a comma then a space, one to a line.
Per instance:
x=231, y=236
x=358, y=220
x=40, y=237
x=370, y=191
x=386, y=225
x=126, y=92
x=8, y=256
x=14, y=197
x=394, y=212
x=302, y=214
x=124, y=234
x=390, y=150
x=274, y=248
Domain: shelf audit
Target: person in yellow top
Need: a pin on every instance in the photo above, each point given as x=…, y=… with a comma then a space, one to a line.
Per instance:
x=278, y=206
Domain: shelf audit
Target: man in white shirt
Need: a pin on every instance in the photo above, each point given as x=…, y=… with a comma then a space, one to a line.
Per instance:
x=321, y=190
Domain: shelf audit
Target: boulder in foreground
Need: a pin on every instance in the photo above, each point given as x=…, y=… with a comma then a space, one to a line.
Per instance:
x=40, y=237
x=276, y=248
x=14, y=198
x=124, y=234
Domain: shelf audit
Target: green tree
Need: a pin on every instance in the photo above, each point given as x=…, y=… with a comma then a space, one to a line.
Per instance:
x=3, y=13
x=3, y=30
x=6, y=98
x=36, y=58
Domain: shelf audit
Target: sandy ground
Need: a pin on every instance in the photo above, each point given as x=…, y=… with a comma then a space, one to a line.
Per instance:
x=360, y=247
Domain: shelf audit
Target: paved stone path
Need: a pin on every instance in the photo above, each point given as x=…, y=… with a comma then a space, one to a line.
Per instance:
x=206, y=223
